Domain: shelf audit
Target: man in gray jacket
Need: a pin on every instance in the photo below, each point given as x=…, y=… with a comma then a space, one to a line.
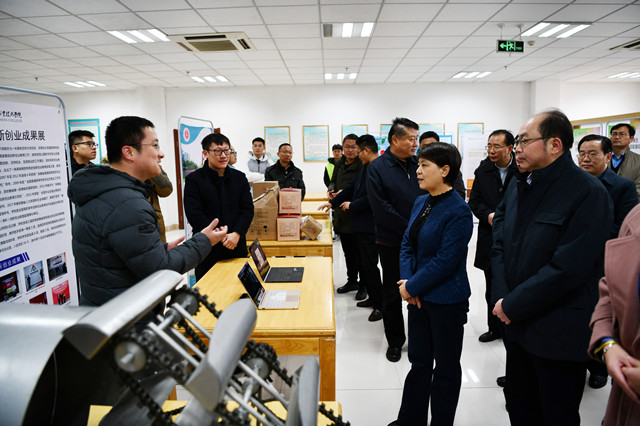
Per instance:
x=116, y=240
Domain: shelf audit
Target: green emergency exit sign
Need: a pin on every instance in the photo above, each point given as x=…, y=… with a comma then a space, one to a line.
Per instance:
x=510, y=46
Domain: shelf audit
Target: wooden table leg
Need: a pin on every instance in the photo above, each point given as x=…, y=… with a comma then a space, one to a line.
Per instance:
x=327, y=369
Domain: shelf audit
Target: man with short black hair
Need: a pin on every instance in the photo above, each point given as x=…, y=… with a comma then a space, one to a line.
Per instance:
x=549, y=233
x=336, y=151
x=284, y=171
x=392, y=188
x=625, y=162
x=216, y=190
x=259, y=158
x=116, y=241
x=491, y=179
x=430, y=137
x=83, y=149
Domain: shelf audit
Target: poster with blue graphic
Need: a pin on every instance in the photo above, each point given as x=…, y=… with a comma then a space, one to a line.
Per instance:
x=191, y=137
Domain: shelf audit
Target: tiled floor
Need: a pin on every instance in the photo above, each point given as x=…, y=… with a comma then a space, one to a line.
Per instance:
x=370, y=388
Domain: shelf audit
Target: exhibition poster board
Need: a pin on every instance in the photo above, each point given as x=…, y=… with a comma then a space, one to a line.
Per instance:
x=36, y=259
x=473, y=151
x=315, y=143
x=434, y=127
x=356, y=129
x=274, y=136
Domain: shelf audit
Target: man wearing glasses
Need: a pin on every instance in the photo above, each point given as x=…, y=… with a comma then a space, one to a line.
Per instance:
x=116, y=241
x=625, y=162
x=491, y=179
x=549, y=234
x=83, y=149
x=218, y=191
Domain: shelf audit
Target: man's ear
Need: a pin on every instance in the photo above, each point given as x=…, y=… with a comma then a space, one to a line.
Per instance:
x=127, y=153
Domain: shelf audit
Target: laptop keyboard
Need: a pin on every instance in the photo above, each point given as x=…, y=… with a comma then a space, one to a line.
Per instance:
x=277, y=274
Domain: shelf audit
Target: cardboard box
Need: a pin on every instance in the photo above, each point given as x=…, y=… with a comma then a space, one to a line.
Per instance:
x=310, y=227
x=260, y=188
x=265, y=212
x=288, y=228
x=290, y=201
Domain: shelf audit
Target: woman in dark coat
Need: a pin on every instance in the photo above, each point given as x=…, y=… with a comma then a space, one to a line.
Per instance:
x=435, y=284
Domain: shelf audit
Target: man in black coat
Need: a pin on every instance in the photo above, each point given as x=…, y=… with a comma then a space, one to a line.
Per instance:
x=284, y=171
x=491, y=179
x=392, y=188
x=549, y=233
x=216, y=190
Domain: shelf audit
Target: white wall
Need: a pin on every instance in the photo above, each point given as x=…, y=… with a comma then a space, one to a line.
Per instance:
x=242, y=113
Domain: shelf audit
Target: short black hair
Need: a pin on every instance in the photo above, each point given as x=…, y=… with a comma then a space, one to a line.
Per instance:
x=336, y=146
x=350, y=136
x=632, y=131
x=400, y=126
x=284, y=144
x=77, y=135
x=605, y=142
x=124, y=131
x=555, y=124
x=259, y=139
x=508, y=136
x=214, y=139
x=367, y=141
x=429, y=134
x=443, y=154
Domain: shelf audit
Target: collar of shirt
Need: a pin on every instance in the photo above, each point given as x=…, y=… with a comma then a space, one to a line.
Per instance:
x=616, y=160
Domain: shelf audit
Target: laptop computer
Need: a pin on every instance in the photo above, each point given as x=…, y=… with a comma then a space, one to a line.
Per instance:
x=273, y=275
x=267, y=299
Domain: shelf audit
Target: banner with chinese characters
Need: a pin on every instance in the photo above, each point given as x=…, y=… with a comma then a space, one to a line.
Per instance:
x=36, y=261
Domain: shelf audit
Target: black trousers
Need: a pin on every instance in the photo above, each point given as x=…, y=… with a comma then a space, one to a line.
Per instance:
x=349, y=244
x=391, y=301
x=541, y=391
x=435, y=334
x=369, y=272
x=492, y=321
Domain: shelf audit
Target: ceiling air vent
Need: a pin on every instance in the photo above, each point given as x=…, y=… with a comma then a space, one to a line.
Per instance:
x=632, y=45
x=217, y=42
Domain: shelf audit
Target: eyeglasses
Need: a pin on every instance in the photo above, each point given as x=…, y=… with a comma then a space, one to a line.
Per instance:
x=523, y=142
x=495, y=147
x=155, y=145
x=219, y=152
x=622, y=135
x=233, y=153
x=591, y=154
x=91, y=144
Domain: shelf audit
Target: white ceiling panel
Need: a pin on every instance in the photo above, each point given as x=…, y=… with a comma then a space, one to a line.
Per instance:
x=258, y=55
x=152, y=68
x=43, y=41
x=22, y=65
x=392, y=42
x=471, y=52
x=173, y=18
x=344, y=53
x=509, y=30
x=22, y=8
x=171, y=58
x=577, y=42
x=116, y=21
x=300, y=43
x=386, y=53
x=92, y=38
x=72, y=52
x=440, y=29
x=432, y=42
x=305, y=71
x=395, y=29
x=31, y=54
x=260, y=65
x=16, y=27
x=252, y=31
x=584, y=12
x=341, y=64
x=7, y=45
x=189, y=66
x=99, y=61
x=525, y=12
x=205, y=29
x=217, y=56
x=423, y=62
x=374, y=62
x=293, y=64
x=116, y=50
x=143, y=5
x=345, y=43
x=349, y=13
x=468, y=12
x=135, y=59
x=61, y=24
x=89, y=6
x=428, y=53
x=294, y=30
x=264, y=44
x=402, y=12
x=301, y=54
x=289, y=14
x=157, y=48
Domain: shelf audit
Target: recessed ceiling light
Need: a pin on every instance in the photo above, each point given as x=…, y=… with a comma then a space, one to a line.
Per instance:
x=95, y=83
x=221, y=78
x=137, y=34
x=210, y=79
x=73, y=84
x=198, y=79
x=158, y=34
x=367, y=29
x=328, y=76
x=619, y=75
x=554, y=30
x=122, y=37
x=471, y=74
x=484, y=74
x=340, y=76
x=535, y=29
x=459, y=75
x=347, y=29
x=573, y=30
x=353, y=75
x=85, y=84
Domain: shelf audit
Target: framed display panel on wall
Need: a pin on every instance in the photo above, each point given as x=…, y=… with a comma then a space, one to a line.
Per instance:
x=315, y=143
x=468, y=128
x=274, y=136
x=356, y=129
x=434, y=127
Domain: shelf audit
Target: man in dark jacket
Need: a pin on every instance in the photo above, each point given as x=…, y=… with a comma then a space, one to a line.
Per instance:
x=347, y=169
x=491, y=179
x=116, y=241
x=392, y=188
x=549, y=233
x=284, y=171
x=216, y=190
x=82, y=148
x=355, y=200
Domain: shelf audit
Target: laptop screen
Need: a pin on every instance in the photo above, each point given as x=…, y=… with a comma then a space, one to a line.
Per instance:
x=251, y=283
x=259, y=258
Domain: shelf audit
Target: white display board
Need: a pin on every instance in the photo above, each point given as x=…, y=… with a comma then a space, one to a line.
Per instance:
x=473, y=152
x=36, y=261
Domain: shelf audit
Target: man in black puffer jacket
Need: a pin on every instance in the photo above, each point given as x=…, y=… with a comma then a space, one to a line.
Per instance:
x=116, y=240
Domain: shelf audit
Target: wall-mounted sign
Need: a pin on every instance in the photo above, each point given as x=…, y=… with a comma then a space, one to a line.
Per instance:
x=510, y=46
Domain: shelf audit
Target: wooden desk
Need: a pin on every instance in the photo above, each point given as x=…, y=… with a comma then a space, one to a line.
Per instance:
x=316, y=196
x=321, y=246
x=310, y=208
x=308, y=330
